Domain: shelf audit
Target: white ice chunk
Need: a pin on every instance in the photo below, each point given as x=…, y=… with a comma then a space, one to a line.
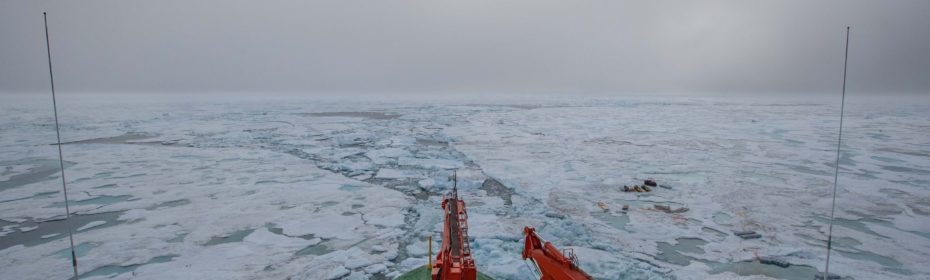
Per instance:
x=385, y=216
x=430, y=163
x=387, y=155
x=337, y=273
x=357, y=275
x=400, y=141
x=427, y=183
x=411, y=263
x=417, y=249
x=264, y=237
x=389, y=173
x=328, y=226
x=375, y=268
x=357, y=262
x=26, y=229
x=342, y=153
x=356, y=165
x=133, y=215
x=92, y=225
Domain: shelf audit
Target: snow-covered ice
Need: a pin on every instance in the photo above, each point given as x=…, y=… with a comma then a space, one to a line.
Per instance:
x=330, y=189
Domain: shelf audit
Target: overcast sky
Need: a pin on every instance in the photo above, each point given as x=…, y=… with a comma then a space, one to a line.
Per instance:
x=622, y=47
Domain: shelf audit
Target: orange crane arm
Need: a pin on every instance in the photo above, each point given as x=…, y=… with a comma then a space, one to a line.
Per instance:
x=552, y=264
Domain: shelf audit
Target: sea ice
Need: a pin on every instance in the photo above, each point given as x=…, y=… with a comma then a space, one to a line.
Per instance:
x=354, y=193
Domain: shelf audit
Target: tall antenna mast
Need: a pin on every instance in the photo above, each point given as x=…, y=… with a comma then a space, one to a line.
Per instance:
x=836, y=173
x=455, y=184
x=61, y=161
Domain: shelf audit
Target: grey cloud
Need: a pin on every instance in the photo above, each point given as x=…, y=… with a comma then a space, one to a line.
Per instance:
x=467, y=46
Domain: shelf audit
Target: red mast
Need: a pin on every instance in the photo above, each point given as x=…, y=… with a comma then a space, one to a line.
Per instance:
x=454, y=260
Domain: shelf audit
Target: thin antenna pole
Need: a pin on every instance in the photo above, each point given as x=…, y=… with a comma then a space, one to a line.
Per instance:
x=429, y=262
x=455, y=184
x=61, y=161
x=836, y=173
